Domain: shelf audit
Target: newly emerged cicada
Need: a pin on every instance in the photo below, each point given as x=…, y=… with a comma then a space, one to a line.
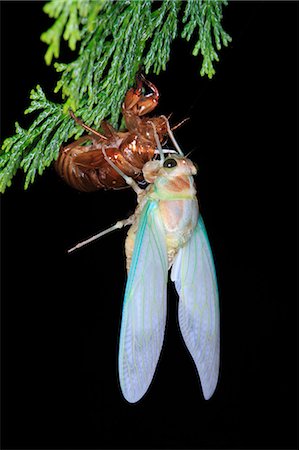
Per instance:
x=166, y=232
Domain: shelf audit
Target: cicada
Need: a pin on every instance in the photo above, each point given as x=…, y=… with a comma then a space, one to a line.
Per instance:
x=166, y=232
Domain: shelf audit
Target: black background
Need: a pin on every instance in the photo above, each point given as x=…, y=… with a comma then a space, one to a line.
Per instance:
x=61, y=314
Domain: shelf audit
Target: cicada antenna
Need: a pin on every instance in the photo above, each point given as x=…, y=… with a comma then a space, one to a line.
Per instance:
x=190, y=153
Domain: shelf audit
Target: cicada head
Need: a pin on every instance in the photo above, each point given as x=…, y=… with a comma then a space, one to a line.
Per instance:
x=171, y=177
x=173, y=166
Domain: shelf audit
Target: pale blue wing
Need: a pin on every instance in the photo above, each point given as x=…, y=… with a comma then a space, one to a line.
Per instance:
x=144, y=309
x=195, y=280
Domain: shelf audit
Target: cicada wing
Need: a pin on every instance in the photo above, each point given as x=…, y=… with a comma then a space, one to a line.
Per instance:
x=194, y=275
x=144, y=309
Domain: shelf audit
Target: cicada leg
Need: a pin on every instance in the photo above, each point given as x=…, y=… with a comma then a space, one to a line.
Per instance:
x=158, y=143
x=138, y=103
x=116, y=226
x=74, y=144
x=179, y=124
x=171, y=135
x=86, y=127
x=127, y=179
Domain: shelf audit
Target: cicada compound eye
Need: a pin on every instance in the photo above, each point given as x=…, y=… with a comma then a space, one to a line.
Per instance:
x=169, y=163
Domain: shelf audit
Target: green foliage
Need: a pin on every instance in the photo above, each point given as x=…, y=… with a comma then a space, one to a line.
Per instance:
x=205, y=16
x=69, y=15
x=34, y=149
x=116, y=39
